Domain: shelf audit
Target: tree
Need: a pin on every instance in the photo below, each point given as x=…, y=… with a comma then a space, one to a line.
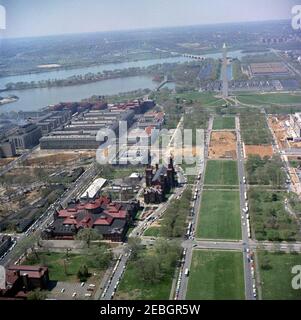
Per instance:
x=100, y=257
x=88, y=235
x=136, y=247
x=148, y=269
x=274, y=197
x=83, y=273
x=37, y=295
x=265, y=263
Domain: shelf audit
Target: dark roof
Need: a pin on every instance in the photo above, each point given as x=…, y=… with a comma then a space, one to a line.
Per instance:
x=117, y=226
x=162, y=170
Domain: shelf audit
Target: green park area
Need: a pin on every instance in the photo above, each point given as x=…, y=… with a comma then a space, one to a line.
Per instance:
x=203, y=98
x=216, y=275
x=149, y=272
x=219, y=215
x=70, y=267
x=223, y=123
x=277, y=277
x=221, y=173
x=269, y=219
x=152, y=232
x=254, y=128
x=173, y=224
x=269, y=98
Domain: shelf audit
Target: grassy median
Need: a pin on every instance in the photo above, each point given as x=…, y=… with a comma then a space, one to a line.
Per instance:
x=216, y=275
x=219, y=215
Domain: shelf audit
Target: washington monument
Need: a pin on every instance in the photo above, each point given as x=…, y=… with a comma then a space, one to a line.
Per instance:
x=224, y=73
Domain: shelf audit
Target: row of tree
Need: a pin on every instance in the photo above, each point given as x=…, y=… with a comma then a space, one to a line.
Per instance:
x=266, y=171
x=270, y=220
x=254, y=128
x=156, y=264
x=174, y=222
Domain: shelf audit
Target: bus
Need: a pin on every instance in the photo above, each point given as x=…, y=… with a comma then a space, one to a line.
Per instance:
x=188, y=230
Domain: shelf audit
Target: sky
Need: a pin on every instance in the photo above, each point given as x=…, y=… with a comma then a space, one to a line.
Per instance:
x=47, y=17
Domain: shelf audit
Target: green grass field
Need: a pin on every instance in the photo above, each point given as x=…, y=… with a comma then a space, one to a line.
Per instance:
x=277, y=279
x=131, y=288
x=222, y=123
x=60, y=267
x=270, y=98
x=190, y=171
x=219, y=216
x=203, y=98
x=152, y=232
x=216, y=275
x=221, y=173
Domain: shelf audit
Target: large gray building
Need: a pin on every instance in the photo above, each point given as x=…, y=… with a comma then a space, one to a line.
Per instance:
x=7, y=149
x=47, y=121
x=26, y=137
x=82, y=130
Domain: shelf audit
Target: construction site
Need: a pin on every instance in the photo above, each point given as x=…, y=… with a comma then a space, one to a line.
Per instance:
x=52, y=158
x=287, y=134
x=260, y=150
x=223, y=145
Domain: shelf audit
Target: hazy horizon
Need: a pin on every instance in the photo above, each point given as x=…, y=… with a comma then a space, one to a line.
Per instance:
x=33, y=18
x=142, y=29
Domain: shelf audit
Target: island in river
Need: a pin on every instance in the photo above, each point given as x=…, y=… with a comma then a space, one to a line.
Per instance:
x=8, y=99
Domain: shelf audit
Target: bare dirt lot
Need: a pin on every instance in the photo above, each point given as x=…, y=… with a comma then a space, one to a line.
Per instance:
x=277, y=124
x=223, y=145
x=46, y=158
x=6, y=161
x=262, y=151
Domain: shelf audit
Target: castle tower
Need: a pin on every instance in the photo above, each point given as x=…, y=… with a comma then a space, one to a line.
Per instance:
x=149, y=176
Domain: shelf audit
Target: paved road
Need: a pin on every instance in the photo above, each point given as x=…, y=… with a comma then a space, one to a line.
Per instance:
x=239, y=245
x=114, y=280
x=19, y=160
x=248, y=276
x=23, y=240
x=183, y=280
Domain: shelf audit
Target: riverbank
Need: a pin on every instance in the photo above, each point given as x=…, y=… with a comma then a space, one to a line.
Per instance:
x=61, y=68
x=7, y=100
x=35, y=99
x=73, y=81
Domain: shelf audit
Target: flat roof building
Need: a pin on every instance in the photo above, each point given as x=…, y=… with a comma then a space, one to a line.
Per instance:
x=27, y=136
x=82, y=130
x=94, y=189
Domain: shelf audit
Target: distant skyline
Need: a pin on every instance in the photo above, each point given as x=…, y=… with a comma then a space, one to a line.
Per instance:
x=29, y=18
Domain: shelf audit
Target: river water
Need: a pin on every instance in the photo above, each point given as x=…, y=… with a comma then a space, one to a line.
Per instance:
x=34, y=99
